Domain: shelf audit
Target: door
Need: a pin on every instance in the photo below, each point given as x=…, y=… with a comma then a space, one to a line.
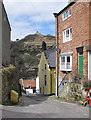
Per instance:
x=81, y=64
x=43, y=90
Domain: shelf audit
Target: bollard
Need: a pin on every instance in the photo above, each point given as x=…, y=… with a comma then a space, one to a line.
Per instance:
x=14, y=97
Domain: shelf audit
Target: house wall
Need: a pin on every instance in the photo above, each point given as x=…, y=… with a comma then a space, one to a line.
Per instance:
x=79, y=21
x=53, y=80
x=37, y=84
x=0, y=33
x=5, y=38
x=41, y=74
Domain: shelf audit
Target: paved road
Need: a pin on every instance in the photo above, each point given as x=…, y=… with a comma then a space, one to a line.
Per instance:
x=44, y=107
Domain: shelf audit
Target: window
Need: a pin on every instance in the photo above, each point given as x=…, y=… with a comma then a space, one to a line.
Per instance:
x=67, y=35
x=66, y=14
x=66, y=63
x=45, y=80
x=45, y=66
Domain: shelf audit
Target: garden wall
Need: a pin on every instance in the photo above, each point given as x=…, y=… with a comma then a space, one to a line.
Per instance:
x=9, y=82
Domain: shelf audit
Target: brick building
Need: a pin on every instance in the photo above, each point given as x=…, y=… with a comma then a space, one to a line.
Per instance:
x=73, y=39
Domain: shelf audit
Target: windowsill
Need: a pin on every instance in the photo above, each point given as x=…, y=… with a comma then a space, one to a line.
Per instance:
x=66, y=70
x=67, y=41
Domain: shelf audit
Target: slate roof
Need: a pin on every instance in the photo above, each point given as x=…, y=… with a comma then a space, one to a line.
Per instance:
x=51, y=56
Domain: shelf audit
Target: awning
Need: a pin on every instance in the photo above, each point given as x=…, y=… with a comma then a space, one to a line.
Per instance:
x=80, y=49
x=66, y=53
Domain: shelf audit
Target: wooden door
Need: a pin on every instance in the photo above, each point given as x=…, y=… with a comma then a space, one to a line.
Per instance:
x=81, y=64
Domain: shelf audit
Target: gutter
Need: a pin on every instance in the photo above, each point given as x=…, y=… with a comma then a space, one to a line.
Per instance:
x=56, y=16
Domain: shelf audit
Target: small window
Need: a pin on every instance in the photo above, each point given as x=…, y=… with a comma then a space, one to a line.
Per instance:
x=62, y=62
x=67, y=34
x=68, y=59
x=45, y=66
x=70, y=11
x=63, y=59
x=45, y=80
x=67, y=14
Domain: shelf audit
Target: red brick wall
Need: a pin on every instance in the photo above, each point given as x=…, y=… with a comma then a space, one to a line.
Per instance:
x=80, y=21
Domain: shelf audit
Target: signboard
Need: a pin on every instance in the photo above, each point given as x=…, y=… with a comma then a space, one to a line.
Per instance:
x=88, y=96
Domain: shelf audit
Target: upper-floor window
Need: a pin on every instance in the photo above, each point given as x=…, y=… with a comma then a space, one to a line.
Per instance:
x=66, y=14
x=67, y=35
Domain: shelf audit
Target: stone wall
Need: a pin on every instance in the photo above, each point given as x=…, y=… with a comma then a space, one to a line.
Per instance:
x=9, y=82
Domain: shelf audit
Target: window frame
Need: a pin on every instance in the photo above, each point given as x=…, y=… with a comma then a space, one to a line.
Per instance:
x=69, y=38
x=66, y=14
x=65, y=65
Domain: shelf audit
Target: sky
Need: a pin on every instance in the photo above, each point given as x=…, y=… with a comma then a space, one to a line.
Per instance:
x=28, y=16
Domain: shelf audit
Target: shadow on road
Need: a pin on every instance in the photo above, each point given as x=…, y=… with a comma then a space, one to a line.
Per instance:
x=32, y=99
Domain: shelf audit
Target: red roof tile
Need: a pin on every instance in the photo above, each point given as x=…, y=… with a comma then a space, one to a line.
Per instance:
x=32, y=83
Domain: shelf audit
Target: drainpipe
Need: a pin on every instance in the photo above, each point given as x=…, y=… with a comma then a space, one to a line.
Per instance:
x=57, y=94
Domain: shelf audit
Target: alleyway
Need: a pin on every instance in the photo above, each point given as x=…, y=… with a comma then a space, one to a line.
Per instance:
x=44, y=107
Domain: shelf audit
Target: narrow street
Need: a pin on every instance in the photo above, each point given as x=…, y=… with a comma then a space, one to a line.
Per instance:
x=44, y=107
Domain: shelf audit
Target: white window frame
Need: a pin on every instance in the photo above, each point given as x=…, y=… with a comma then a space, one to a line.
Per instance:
x=66, y=14
x=65, y=38
x=65, y=68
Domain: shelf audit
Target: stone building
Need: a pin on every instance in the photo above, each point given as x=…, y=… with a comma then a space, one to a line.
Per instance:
x=5, y=31
x=73, y=37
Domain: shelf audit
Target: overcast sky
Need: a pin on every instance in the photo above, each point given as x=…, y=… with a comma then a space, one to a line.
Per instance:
x=28, y=16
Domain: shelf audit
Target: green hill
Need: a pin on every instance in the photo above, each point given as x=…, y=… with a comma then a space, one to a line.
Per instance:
x=27, y=51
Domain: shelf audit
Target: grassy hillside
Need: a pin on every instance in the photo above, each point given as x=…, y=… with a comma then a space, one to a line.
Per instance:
x=25, y=53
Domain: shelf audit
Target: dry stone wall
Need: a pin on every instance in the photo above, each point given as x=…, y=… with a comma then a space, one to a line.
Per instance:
x=9, y=82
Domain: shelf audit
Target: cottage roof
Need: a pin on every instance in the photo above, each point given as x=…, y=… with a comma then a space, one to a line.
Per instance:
x=51, y=56
x=32, y=83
